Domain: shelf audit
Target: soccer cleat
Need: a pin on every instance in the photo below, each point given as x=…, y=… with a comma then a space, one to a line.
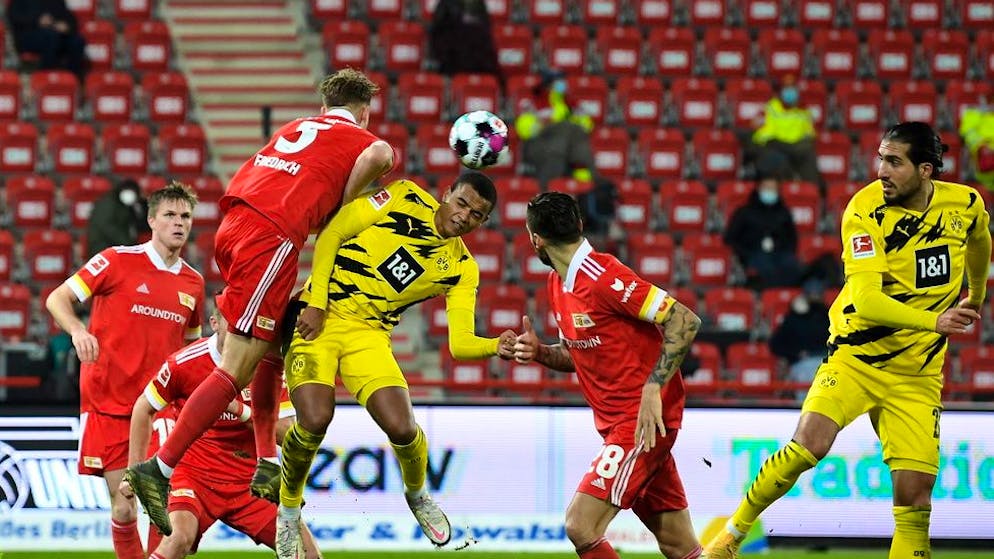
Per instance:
x=152, y=490
x=265, y=482
x=288, y=541
x=723, y=546
x=433, y=521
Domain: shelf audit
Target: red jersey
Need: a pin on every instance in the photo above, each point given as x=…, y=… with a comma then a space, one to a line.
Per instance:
x=227, y=449
x=297, y=180
x=604, y=311
x=142, y=311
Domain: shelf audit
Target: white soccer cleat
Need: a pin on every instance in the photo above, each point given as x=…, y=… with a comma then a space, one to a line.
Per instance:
x=433, y=521
x=288, y=541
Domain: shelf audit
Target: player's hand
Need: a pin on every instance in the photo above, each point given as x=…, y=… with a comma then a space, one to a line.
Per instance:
x=955, y=321
x=86, y=346
x=125, y=489
x=966, y=304
x=310, y=322
x=650, y=417
x=505, y=345
x=526, y=344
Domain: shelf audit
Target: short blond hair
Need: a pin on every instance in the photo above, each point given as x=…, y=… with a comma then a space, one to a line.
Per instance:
x=175, y=190
x=347, y=87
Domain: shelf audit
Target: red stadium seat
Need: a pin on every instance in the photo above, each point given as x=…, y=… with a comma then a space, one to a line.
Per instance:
x=209, y=191
x=811, y=247
x=635, y=208
x=753, y=366
x=977, y=365
x=421, y=96
x=718, y=154
x=520, y=92
x=673, y=50
x=565, y=48
x=514, y=48
x=432, y=141
x=84, y=10
x=48, y=254
x=662, y=152
x=728, y=50
x=532, y=271
x=463, y=373
x=706, y=13
x=403, y=45
x=746, y=99
x=860, y=103
x=837, y=51
x=872, y=15
x=695, y=101
x=869, y=144
x=10, y=95
x=610, y=147
x=816, y=14
x=515, y=193
x=99, y=36
x=731, y=309
x=205, y=253
x=653, y=13
x=544, y=320
x=501, y=306
x=706, y=378
x=384, y=10
x=378, y=106
x=686, y=296
x=913, y=101
x=730, y=196
x=814, y=98
x=976, y=14
x=109, y=94
x=55, y=94
x=18, y=147
x=570, y=186
x=600, y=12
x=31, y=199
x=184, y=148
x=148, y=45
x=166, y=96
x=774, y=303
x=435, y=317
x=947, y=53
x=150, y=183
x=838, y=195
x=71, y=147
x=136, y=10
x=126, y=147
x=588, y=94
x=892, y=53
x=474, y=92
x=951, y=159
x=487, y=247
x=346, y=42
x=324, y=10
x=963, y=94
x=80, y=193
x=708, y=259
x=685, y=204
x=396, y=135
x=651, y=257
x=526, y=373
x=620, y=50
x=782, y=51
x=804, y=202
x=985, y=52
x=761, y=13
x=546, y=12
x=6, y=254
x=15, y=311
x=922, y=14
x=834, y=151
x=641, y=100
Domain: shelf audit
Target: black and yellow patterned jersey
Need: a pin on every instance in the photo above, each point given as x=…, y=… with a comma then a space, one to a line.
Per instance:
x=392, y=258
x=922, y=258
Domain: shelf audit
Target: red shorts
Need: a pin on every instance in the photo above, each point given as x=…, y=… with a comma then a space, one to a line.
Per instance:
x=259, y=267
x=103, y=443
x=647, y=483
x=230, y=503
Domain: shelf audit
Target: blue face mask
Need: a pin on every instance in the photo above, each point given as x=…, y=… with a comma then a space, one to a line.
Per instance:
x=559, y=86
x=789, y=95
x=769, y=197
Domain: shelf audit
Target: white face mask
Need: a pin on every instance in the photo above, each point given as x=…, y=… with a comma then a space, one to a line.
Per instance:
x=800, y=305
x=128, y=197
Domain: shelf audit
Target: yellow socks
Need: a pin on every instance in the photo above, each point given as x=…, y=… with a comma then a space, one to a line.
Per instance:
x=775, y=478
x=413, y=459
x=299, y=448
x=911, y=533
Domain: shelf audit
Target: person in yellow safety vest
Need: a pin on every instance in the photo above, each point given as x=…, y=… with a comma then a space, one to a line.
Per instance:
x=789, y=130
x=977, y=130
x=555, y=138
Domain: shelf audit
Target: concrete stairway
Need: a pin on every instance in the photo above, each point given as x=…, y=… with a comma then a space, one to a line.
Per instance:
x=241, y=55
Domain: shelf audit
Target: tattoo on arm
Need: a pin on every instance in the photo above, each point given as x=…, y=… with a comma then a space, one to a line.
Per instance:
x=555, y=357
x=680, y=329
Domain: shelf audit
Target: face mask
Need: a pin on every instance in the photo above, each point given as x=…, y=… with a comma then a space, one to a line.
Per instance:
x=800, y=305
x=128, y=197
x=789, y=95
x=769, y=197
x=559, y=86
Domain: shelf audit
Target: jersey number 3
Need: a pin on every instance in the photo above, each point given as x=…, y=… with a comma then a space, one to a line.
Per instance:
x=308, y=133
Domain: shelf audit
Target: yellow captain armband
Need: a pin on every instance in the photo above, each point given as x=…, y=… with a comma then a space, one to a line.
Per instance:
x=657, y=306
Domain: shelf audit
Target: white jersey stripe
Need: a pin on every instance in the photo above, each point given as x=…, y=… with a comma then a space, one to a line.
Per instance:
x=621, y=482
x=188, y=356
x=594, y=264
x=82, y=436
x=244, y=324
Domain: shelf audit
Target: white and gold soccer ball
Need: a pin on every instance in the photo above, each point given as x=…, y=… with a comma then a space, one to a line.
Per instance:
x=479, y=138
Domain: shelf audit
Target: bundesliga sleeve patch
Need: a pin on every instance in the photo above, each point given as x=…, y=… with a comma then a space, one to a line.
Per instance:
x=862, y=246
x=379, y=199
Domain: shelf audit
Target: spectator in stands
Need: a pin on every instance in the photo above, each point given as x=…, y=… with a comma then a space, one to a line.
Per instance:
x=977, y=130
x=598, y=207
x=118, y=218
x=461, y=40
x=788, y=130
x=556, y=138
x=764, y=238
x=801, y=337
x=48, y=29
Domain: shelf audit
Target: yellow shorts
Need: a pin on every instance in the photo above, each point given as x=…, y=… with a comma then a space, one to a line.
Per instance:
x=349, y=348
x=904, y=410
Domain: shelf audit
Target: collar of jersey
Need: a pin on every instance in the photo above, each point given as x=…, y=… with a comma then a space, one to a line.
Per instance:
x=212, y=347
x=581, y=253
x=341, y=113
x=159, y=263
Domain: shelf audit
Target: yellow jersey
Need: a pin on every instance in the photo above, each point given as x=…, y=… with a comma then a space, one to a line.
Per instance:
x=922, y=257
x=392, y=258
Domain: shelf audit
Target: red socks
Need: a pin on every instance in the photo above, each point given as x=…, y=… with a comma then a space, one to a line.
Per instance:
x=599, y=549
x=127, y=543
x=200, y=411
x=266, y=387
x=695, y=554
x=154, y=539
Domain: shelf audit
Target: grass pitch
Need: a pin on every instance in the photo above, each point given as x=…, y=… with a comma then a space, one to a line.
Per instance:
x=779, y=553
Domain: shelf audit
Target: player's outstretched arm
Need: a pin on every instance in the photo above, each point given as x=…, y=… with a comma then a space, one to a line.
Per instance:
x=528, y=348
x=873, y=305
x=60, y=305
x=141, y=430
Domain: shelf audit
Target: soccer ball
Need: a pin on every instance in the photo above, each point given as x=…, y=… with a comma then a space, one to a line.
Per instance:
x=478, y=138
